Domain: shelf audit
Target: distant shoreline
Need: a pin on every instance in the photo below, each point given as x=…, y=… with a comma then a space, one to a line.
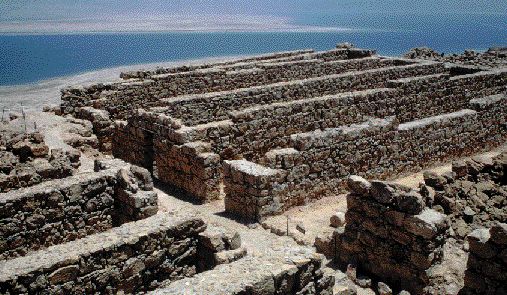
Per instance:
x=33, y=96
x=197, y=31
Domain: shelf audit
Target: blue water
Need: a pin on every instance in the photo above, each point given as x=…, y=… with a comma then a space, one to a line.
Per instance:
x=31, y=58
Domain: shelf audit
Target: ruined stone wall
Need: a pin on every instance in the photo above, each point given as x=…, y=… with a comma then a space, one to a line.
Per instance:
x=103, y=127
x=249, y=189
x=435, y=94
x=487, y=264
x=146, y=92
x=133, y=144
x=26, y=160
x=317, y=162
x=134, y=257
x=186, y=68
x=251, y=62
x=270, y=126
x=473, y=194
x=391, y=234
x=58, y=211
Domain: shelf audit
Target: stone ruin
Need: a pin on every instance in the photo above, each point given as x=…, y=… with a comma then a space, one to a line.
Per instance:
x=398, y=235
x=265, y=134
x=26, y=160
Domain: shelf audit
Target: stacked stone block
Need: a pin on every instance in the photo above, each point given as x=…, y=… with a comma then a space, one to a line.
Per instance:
x=133, y=144
x=102, y=126
x=391, y=234
x=191, y=167
x=487, y=263
x=248, y=188
x=218, y=246
x=134, y=257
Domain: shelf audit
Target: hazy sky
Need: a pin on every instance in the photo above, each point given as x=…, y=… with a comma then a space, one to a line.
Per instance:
x=65, y=9
x=18, y=16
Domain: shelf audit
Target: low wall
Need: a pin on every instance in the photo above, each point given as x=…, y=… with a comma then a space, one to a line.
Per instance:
x=487, y=266
x=58, y=211
x=318, y=161
x=391, y=234
x=134, y=257
x=251, y=275
x=187, y=68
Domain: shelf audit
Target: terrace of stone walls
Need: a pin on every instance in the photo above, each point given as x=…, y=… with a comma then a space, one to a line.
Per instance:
x=317, y=162
x=119, y=98
x=277, y=103
x=240, y=133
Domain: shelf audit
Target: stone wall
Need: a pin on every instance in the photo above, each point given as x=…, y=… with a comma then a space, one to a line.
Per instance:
x=102, y=126
x=391, y=234
x=248, y=188
x=317, y=162
x=190, y=167
x=251, y=275
x=134, y=257
x=200, y=109
x=487, y=264
x=63, y=210
x=133, y=144
x=186, y=68
x=146, y=92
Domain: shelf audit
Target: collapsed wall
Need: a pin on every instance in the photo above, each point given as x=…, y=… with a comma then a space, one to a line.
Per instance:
x=473, y=194
x=26, y=160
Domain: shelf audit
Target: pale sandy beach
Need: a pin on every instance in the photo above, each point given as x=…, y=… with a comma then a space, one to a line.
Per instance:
x=33, y=97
